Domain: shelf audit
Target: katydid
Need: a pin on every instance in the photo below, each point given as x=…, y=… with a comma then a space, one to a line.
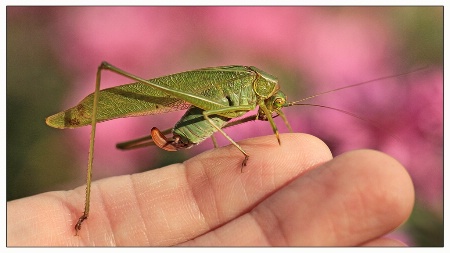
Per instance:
x=211, y=96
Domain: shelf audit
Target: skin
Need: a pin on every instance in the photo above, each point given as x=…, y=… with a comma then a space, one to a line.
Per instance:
x=295, y=194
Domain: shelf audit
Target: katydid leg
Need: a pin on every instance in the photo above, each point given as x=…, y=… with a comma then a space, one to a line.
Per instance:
x=148, y=141
x=190, y=98
x=279, y=112
x=214, y=141
x=140, y=142
x=91, y=153
x=163, y=142
x=244, y=108
x=268, y=114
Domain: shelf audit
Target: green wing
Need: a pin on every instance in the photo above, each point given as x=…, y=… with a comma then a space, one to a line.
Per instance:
x=138, y=99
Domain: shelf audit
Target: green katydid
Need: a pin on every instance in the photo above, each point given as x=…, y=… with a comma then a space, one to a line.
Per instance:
x=211, y=96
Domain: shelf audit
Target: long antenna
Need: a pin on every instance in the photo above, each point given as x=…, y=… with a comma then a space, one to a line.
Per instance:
x=361, y=83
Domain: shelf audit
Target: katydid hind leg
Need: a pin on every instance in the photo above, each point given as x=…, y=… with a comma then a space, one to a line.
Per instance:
x=173, y=144
x=91, y=152
x=140, y=142
x=187, y=97
x=214, y=141
x=162, y=141
x=148, y=141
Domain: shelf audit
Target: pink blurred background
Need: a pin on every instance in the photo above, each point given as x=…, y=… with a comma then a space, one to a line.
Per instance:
x=53, y=53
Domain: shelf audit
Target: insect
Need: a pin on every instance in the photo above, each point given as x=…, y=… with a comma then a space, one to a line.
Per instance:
x=212, y=97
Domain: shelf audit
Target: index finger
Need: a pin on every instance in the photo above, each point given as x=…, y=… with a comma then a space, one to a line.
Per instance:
x=169, y=205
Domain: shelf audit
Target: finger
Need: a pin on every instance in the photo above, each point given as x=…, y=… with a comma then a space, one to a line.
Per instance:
x=352, y=199
x=173, y=204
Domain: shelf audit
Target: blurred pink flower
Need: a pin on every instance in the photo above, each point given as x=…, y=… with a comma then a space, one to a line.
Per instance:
x=408, y=125
x=132, y=36
x=425, y=139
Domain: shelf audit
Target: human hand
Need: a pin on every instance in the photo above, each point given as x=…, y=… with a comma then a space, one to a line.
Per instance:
x=295, y=194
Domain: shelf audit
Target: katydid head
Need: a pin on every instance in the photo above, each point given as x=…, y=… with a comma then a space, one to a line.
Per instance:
x=276, y=101
x=273, y=105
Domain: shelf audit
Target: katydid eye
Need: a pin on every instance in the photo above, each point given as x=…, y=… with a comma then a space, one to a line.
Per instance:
x=279, y=102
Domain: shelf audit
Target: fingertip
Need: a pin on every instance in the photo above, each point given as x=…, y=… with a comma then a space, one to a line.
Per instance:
x=384, y=186
x=312, y=148
x=296, y=150
x=395, y=185
x=354, y=198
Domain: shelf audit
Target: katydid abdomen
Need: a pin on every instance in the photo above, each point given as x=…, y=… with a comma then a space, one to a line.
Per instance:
x=193, y=128
x=190, y=130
